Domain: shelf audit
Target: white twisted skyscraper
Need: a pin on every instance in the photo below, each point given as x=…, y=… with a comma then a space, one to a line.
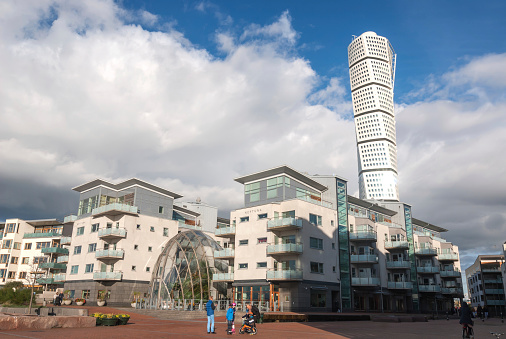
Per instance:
x=372, y=75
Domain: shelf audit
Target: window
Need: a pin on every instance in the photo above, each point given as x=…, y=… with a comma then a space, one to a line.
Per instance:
x=333, y=246
x=4, y=258
x=11, y=228
x=160, y=209
x=331, y=222
x=244, y=219
x=25, y=260
x=92, y=247
x=262, y=264
x=77, y=249
x=334, y=269
x=7, y=244
x=316, y=267
x=147, y=269
x=138, y=227
x=17, y=246
x=134, y=268
x=136, y=247
x=262, y=240
x=243, y=242
x=316, y=243
x=14, y=260
x=262, y=216
x=243, y=266
x=152, y=229
x=315, y=219
x=85, y=294
x=94, y=228
x=22, y=275
x=39, y=260
x=88, y=268
x=80, y=231
x=74, y=269
x=165, y=232
x=150, y=249
x=12, y=275
x=28, y=246
x=253, y=190
x=41, y=245
x=318, y=298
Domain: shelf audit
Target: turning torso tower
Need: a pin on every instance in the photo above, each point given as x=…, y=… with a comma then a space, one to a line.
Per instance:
x=371, y=60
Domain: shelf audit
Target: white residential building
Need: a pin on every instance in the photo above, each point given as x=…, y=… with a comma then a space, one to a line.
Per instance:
x=371, y=60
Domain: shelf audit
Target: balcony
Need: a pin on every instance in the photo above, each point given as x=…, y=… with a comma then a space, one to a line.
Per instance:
x=55, y=250
x=226, y=253
x=284, y=249
x=400, y=285
x=363, y=236
x=448, y=257
x=53, y=265
x=427, y=269
x=109, y=254
x=41, y=235
x=44, y=281
x=284, y=275
x=364, y=259
x=452, y=290
x=63, y=259
x=189, y=224
x=69, y=218
x=429, y=288
x=404, y=264
x=59, y=278
x=66, y=240
x=225, y=231
x=493, y=281
x=495, y=302
x=368, y=281
x=108, y=276
x=450, y=274
x=491, y=270
x=396, y=245
x=114, y=209
x=111, y=233
x=282, y=224
x=426, y=251
x=494, y=291
x=225, y=277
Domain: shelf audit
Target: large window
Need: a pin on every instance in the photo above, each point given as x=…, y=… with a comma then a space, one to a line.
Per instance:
x=316, y=267
x=318, y=298
x=253, y=190
x=316, y=243
x=315, y=219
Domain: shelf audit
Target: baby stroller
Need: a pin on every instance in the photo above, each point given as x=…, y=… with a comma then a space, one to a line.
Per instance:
x=248, y=325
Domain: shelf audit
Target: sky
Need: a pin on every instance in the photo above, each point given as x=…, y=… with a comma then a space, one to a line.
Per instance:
x=191, y=94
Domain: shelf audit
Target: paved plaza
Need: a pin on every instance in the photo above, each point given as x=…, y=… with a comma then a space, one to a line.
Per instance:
x=143, y=326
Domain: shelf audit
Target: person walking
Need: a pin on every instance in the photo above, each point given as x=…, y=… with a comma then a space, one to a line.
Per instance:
x=210, y=306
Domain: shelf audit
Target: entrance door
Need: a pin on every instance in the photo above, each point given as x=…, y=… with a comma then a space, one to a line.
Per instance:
x=275, y=301
x=335, y=301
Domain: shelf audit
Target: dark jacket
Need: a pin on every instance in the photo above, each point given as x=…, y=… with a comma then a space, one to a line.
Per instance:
x=466, y=315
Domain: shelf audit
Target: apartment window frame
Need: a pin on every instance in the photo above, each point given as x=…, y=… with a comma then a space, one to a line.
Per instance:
x=243, y=266
x=28, y=246
x=78, y=249
x=95, y=227
x=79, y=231
x=316, y=267
x=25, y=260
x=89, y=268
x=316, y=243
x=262, y=264
x=262, y=240
x=262, y=216
x=244, y=219
x=74, y=269
x=243, y=242
x=92, y=248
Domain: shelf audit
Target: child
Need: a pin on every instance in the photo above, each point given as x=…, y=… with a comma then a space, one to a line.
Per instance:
x=230, y=318
x=233, y=320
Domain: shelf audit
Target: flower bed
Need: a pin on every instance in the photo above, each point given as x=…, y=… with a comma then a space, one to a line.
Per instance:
x=111, y=319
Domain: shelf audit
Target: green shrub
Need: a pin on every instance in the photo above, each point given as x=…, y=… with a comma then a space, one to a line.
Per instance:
x=19, y=296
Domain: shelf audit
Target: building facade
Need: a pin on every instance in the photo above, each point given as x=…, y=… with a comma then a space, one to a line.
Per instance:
x=371, y=60
x=485, y=283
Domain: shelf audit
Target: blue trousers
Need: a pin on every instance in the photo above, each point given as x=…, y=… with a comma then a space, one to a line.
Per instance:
x=210, y=323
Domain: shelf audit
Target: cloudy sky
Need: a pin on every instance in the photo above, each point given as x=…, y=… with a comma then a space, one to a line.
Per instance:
x=189, y=95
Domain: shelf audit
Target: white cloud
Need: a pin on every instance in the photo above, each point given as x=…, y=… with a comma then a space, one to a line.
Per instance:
x=281, y=29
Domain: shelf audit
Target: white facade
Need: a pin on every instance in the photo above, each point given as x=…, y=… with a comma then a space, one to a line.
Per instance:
x=371, y=61
x=207, y=214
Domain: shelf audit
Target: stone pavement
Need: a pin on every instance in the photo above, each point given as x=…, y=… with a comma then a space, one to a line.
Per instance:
x=144, y=326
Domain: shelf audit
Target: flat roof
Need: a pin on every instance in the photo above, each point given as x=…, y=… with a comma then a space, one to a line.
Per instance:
x=44, y=222
x=185, y=210
x=371, y=206
x=282, y=170
x=428, y=226
x=123, y=185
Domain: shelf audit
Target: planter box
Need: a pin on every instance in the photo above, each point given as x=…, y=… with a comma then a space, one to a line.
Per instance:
x=109, y=322
x=100, y=302
x=79, y=303
x=133, y=304
x=67, y=302
x=123, y=321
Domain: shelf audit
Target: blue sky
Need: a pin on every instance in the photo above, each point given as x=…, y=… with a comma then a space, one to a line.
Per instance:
x=189, y=95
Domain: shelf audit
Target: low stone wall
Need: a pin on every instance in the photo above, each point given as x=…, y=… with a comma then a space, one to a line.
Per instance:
x=30, y=322
x=45, y=311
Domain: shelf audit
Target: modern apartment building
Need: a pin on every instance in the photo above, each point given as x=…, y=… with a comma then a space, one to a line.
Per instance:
x=118, y=234
x=371, y=60
x=282, y=246
x=207, y=217
x=485, y=283
x=34, y=245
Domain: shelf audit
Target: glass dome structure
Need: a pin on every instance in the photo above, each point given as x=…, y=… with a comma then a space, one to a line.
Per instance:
x=185, y=268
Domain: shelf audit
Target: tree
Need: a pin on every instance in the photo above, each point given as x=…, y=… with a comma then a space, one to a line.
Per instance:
x=31, y=277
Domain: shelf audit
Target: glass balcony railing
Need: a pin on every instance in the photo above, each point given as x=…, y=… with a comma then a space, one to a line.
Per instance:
x=53, y=265
x=364, y=258
x=114, y=232
x=228, y=231
x=284, y=248
x=400, y=285
x=63, y=259
x=363, y=236
x=452, y=290
x=396, y=245
x=287, y=274
x=426, y=251
x=59, y=277
x=365, y=281
x=115, y=208
x=109, y=254
x=450, y=274
x=399, y=264
x=491, y=270
x=495, y=302
x=41, y=235
x=448, y=256
x=66, y=240
x=225, y=253
x=223, y=277
x=284, y=223
x=116, y=275
x=493, y=281
x=70, y=218
x=494, y=291
x=427, y=269
x=189, y=226
x=45, y=281
x=55, y=250
x=429, y=288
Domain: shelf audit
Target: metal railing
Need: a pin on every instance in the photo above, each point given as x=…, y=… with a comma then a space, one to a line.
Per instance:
x=284, y=248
